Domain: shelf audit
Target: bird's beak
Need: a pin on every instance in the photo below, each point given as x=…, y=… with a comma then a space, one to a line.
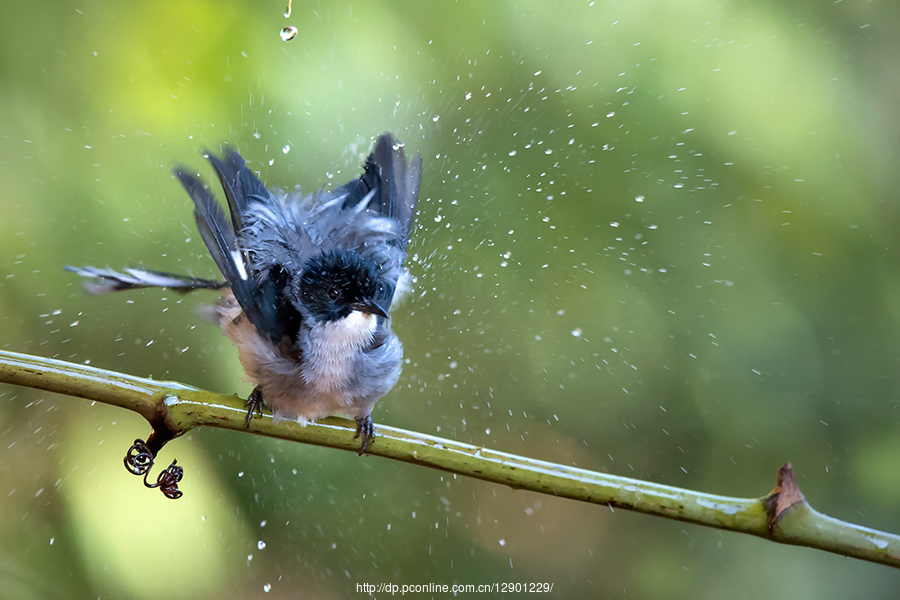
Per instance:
x=371, y=307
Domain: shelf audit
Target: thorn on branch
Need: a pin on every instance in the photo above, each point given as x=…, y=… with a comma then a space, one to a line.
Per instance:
x=139, y=460
x=785, y=495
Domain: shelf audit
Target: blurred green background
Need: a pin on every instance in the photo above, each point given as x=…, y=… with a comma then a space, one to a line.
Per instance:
x=655, y=239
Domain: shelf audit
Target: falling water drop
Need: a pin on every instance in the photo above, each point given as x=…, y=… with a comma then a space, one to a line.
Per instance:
x=288, y=33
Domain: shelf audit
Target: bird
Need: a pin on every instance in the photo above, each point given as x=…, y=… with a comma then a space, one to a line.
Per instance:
x=308, y=283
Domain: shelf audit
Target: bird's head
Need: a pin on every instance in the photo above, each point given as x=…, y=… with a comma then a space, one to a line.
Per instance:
x=338, y=282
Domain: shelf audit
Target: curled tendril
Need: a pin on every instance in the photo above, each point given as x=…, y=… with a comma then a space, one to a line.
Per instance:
x=139, y=460
x=167, y=481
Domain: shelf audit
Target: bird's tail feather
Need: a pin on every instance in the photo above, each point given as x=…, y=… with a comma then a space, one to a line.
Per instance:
x=107, y=280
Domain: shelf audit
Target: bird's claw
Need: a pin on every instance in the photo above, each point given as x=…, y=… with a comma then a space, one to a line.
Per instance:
x=254, y=403
x=365, y=428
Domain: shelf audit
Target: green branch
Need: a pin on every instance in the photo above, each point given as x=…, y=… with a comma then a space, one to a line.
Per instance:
x=173, y=409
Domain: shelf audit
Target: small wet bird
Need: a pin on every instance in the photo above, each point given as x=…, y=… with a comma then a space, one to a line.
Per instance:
x=309, y=281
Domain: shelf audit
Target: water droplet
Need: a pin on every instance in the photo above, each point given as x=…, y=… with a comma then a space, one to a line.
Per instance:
x=287, y=10
x=638, y=198
x=267, y=588
x=576, y=332
x=286, y=149
x=502, y=542
x=435, y=118
x=261, y=545
x=288, y=33
x=51, y=541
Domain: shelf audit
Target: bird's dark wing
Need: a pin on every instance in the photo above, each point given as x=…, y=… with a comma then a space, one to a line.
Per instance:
x=261, y=294
x=376, y=211
x=394, y=182
x=241, y=186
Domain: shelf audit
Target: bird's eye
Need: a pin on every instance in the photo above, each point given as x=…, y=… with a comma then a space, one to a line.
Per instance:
x=334, y=293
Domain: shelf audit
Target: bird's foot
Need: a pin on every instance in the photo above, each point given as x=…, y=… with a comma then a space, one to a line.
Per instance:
x=365, y=428
x=254, y=403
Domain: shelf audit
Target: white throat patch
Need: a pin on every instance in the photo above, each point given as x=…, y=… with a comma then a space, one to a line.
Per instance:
x=336, y=345
x=355, y=330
